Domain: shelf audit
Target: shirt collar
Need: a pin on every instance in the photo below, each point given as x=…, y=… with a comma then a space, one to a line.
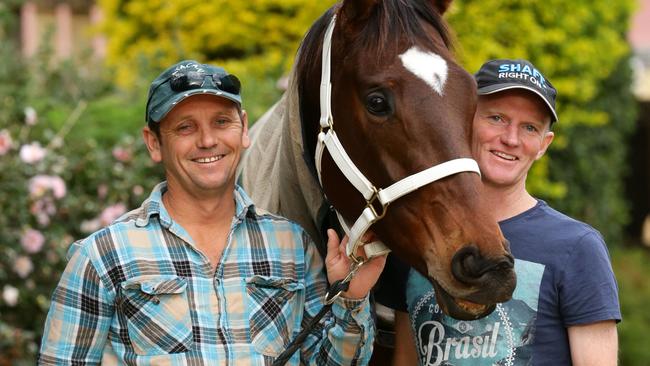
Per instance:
x=153, y=205
x=243, y=203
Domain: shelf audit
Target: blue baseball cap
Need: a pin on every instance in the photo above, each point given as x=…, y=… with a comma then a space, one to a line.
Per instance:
x=185, y=79
x=499, y=75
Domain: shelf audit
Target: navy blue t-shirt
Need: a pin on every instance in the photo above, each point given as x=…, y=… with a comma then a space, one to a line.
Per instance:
x=564, y=278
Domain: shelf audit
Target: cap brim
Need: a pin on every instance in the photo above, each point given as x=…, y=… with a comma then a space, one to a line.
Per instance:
x=491, y=89
x=172, y=102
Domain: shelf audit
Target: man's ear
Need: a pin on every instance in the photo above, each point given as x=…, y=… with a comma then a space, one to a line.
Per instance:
x=546, y=142
x=153, y=144
x=245, y=140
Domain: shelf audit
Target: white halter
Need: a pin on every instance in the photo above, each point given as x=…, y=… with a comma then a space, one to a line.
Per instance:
x=327, y=139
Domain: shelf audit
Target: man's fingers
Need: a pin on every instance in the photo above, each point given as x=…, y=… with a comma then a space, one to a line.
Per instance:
x=342, y=247
x=332, y=245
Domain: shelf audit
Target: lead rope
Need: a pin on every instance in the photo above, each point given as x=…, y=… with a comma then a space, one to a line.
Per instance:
x=332, y=294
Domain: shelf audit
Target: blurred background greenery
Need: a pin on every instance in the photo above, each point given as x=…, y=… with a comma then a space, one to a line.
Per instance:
x=74, y=117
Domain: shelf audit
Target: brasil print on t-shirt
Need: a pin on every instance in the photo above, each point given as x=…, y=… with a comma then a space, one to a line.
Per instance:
x=502, y=338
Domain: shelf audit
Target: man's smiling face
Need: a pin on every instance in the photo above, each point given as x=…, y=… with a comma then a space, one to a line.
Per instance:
x=201, y=141
x=510, y=132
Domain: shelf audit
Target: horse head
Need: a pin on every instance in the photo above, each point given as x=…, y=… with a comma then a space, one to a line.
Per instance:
x=401, y=105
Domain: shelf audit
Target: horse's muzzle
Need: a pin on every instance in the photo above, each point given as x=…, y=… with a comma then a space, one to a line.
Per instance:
x=470, y=267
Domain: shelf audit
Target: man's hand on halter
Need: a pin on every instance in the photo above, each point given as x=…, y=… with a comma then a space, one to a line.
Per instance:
x=338, y=267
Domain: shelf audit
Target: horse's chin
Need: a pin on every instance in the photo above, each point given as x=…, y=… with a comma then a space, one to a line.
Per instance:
x=459, y=308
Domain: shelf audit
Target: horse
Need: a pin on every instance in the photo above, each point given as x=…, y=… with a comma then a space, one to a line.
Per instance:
x=376, y=99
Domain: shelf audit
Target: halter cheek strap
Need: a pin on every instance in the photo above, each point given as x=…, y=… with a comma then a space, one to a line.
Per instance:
x=375, y=198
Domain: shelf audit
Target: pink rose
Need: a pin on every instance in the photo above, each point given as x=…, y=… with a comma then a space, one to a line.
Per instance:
x=111, y=213
x=32, y=241
x=23, y=266
x=40, y=184
x=32, y=153
x=122, y=154
x=5, y=142
x=42, y=209
x=57, y=185
x=42, y=218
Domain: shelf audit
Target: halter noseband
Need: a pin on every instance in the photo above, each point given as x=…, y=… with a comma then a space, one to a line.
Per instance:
x=327, y=139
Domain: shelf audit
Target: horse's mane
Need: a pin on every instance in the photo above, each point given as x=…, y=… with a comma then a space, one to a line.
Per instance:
x=390, y=22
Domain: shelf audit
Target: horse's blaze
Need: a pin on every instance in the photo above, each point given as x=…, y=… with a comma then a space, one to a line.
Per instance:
x=428, y=66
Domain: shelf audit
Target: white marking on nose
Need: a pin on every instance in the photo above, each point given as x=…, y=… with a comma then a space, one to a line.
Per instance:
x=427, y=66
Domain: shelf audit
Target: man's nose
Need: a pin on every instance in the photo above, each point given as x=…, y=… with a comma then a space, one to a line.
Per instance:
x=207, y=138
x=510, y=136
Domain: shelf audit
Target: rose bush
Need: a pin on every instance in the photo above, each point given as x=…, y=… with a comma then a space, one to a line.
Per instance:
x=56, y=186
x=53, y=194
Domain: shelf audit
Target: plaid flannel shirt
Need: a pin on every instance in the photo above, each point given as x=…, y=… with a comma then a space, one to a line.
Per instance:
x=138, y=292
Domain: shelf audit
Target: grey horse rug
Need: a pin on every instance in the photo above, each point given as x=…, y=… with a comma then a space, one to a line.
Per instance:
x=273, y=171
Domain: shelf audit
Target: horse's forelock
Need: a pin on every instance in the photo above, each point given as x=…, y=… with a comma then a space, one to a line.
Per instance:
x=377, y=35
x=401, y=17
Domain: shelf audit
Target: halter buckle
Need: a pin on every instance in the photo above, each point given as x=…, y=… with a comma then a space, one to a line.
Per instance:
x=370, y=205
x=328, y=125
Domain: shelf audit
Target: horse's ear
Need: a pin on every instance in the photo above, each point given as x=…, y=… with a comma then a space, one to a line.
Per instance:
x=357, y=10
x=442, y=5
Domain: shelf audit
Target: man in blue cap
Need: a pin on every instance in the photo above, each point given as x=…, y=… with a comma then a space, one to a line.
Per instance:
x=565, y=307
x=198, y=275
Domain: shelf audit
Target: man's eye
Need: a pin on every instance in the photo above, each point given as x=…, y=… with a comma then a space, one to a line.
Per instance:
x=184, y=127
x=531, y=128
x=496, y=118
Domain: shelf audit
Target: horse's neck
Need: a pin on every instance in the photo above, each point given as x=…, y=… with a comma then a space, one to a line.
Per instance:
x=273, y=171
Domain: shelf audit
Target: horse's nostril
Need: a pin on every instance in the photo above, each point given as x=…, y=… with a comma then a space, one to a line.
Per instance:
x=507, y=262
x=464, y=264
x=468, y=265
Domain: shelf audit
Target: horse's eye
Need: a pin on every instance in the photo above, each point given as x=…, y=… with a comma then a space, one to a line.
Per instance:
x=377, y=104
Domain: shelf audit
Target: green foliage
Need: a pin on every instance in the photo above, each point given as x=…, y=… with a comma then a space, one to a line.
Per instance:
x=595, y=160
x=632, y=272
x=108, y=119
x=161, y=32
x=255, y=40
x=581, y=47
x=8, y=23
